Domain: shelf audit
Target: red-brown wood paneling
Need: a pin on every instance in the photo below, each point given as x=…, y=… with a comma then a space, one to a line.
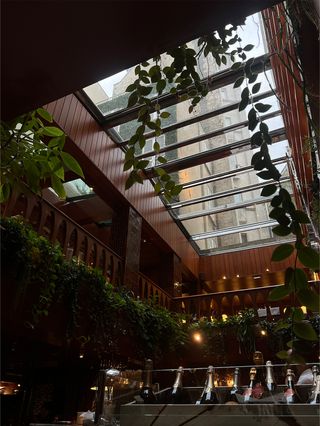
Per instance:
x=102, y=161
x=242, y=263
x=288, y=80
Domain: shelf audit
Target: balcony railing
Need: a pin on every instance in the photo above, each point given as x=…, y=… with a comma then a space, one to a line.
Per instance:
x=231, y=302
x=75, y=241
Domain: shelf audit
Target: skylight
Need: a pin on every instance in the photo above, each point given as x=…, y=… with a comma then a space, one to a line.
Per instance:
x=208, y=151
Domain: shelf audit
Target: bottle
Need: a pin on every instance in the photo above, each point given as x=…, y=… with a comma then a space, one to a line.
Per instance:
x=232, y=397
x=209, y=394
x=146, y=392
x=247, y=394
x=270, y=382
x=259, y=387
x=177, y=394
x=315, y=392
x=290, y=396
x=315, y=372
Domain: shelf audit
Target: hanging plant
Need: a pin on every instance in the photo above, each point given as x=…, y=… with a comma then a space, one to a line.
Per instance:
x=182, y=79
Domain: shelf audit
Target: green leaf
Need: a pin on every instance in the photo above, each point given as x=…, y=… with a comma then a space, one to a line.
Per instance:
x=130, y=181
x=308, y=257
x=157, y=187
x=256, y=139
x=128, y=164
x=161, y=85
x=310, y=299
x=238, y=82
x=282, y=252
x=276, y=201
x=252, y=117
x=265, y=175
x=133, y=99
x=60, y=173
x=142, y=164
x=71, y=163
x=256, y=88
x=5, y=191
x=236, y=65
x=297, y=314
x=264, y=128
x=262, y=107
x=282, y=355
x=165, y=114
x=51, y=131
x=131, y=88
x=156, y=147
x=299, y=280
x=301, y=216
x=279, y=293
x=45, y=115
x=248, y=47
x=161, y=159
x=243, y=104
x=281, y=230
x=296, y=359
x=176, y=190
x=57, y=186
x=304, y=330
x=281, y=325
x=268, y=190
x=256, y=157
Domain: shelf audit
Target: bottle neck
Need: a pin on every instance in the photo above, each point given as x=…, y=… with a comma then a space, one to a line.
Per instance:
x=290, y=383
x=315, y=373
x=178, y=381
x=236, y=379
x=148, y=379
x=210, y=380
x=269, y=377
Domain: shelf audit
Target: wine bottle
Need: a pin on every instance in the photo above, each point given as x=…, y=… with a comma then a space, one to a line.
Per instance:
x=247, y=394
x=315, y=392
x=270, y=382
x=290, y=396
x=177, y=394
x=209, y=395
x=315, y=372
x=259, y=387
x=147, y=393
x=232, y=396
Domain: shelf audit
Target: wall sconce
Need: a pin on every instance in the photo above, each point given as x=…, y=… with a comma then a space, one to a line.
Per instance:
x=262, y=312
x=224, y=317
x=304, y=309
x=275, y=311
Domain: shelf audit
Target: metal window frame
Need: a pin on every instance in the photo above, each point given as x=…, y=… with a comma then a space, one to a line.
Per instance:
x=233, y=230
x=214, y=81
x=212, y=155
x=205, y=136
x=222, y=194
x=228, y=174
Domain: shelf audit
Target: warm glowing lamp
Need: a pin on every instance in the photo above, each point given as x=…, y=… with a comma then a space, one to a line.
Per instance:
x=197, y=337
x=304, y=309
x=224, y=317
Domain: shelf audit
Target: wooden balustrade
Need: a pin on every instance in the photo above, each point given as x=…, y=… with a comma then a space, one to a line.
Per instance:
x=148, y=290
x=75, y=241
x=231, y=302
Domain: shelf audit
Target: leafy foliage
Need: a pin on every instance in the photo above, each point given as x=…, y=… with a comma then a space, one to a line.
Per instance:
x=96, y=309
x=32, y=152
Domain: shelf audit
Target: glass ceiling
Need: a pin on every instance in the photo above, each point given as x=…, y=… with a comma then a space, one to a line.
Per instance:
x=208, y=152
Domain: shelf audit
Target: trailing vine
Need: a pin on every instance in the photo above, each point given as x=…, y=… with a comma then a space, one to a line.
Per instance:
x=184, y=81
x=97, y=315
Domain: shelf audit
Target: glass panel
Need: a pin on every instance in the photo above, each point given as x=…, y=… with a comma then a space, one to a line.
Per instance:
x=109, y=94
x=227, y=219
x=222, y=140
x=232, y=162
x=239, y=239
x=77, y=188
x=233, y=182
x=220, y=202
x=216, y=99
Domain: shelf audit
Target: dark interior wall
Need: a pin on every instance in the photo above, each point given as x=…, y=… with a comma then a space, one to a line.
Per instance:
x=53, y=48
